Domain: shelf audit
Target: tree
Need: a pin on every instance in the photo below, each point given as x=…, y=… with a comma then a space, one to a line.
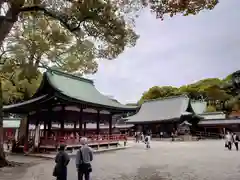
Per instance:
x=105, y=22
x=158, y=92
x=211, y=109
x=16, y=89
x=209, y=89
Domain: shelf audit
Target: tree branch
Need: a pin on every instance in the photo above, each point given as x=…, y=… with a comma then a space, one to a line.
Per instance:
x=49, y=13
x=10, y=79
x=61, y=18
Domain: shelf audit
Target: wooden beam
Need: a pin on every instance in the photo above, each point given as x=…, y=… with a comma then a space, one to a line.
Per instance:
x=98, y=122
x=62, y=120
x=85, y=128
x=80, y=121
x=50, y=116
x=45, y=129
x=26, y=135
x=110, y=124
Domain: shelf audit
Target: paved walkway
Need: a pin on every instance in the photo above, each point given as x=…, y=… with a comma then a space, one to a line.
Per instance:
x=199, y=160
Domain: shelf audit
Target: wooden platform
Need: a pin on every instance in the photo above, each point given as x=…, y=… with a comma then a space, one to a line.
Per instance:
x=72, y=147
x=95, y=146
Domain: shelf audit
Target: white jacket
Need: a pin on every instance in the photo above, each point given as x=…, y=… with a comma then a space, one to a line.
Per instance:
x=229, y=138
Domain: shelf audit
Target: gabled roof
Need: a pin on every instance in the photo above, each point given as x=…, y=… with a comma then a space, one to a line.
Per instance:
x=213, y=115
x=11, y=124
x=69, y=88
x=80, y=89
x=198, y=107
x=169, y=108
x=27, y=104
x=219, y=122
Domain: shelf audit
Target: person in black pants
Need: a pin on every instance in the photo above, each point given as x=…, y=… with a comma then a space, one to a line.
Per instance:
x=235, y=140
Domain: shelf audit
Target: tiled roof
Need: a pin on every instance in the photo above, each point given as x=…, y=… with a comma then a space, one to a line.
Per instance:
x=198, y=107
x=81, y=89
x=161, y=110
x=70, y=87
x=219, y=122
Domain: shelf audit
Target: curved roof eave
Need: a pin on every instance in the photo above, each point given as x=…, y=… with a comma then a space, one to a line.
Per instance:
x=109, y=104
x=67, y=98
x=22, y=105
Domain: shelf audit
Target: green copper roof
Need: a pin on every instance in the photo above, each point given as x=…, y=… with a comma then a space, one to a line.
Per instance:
x=158, y=110
x=11, y=124
x=81, y=89
x=198, y=107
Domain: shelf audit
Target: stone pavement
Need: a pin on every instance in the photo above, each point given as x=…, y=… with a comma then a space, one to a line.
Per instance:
x=198, y=160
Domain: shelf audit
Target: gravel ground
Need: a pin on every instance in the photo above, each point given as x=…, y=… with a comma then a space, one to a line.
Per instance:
x=202, y=160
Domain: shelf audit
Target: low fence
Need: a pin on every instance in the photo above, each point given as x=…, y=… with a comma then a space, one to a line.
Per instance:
x=209, y=135
x=92, y=139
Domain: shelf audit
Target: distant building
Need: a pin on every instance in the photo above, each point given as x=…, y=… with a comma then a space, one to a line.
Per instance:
x=166, y=114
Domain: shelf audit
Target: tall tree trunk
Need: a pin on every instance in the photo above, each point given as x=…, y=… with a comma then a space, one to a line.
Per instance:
x=3, y=161
x=11, y=17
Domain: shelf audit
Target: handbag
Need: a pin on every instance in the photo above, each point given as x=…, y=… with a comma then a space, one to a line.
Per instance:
x=84, y=167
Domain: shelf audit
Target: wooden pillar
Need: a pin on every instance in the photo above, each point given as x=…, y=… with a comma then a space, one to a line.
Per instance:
x=84, y=128
x=37, y=135
x=110, y=123
x=50, y=122
x=75, y=128
x=45, y=129
x=80, y=121
x=26, y=135
x=62, y=121
x=98, y=122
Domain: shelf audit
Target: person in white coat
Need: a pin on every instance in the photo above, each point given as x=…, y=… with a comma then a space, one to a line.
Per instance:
x=229, y=140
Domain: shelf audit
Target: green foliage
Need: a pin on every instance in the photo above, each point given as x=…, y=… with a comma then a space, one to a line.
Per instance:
x=211, y=90
x=72, y=35
x=211, y=109
x=41, y=42
x=16, y=88
x=158, y=92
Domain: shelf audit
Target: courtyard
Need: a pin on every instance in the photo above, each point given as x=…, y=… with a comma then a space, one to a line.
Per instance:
x=199, y=160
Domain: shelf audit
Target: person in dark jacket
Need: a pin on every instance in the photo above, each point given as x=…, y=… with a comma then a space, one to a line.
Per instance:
x=62, y=159
x=235, y=140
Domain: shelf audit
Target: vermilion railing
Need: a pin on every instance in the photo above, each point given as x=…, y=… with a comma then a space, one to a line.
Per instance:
x=92, y=139
x=209, y=134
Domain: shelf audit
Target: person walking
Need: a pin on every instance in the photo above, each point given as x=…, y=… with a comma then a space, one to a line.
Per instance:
x=83, y=160
x=147, y=141
x=62, y=159
x=161, y=135
x=142, y=137
x=235, y=140
x=229, y=139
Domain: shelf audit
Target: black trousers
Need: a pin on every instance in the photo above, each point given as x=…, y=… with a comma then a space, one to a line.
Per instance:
x=229, y=145
x=86, y=175
x=236, y=145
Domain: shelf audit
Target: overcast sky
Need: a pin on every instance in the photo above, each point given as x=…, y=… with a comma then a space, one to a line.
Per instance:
x=175, y=52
